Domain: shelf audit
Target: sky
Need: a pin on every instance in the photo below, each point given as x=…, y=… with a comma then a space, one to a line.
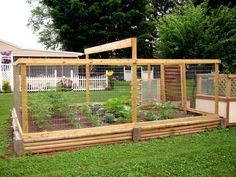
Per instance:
x=14, y=16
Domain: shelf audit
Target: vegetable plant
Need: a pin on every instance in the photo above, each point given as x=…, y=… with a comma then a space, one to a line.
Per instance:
x=109, y=118
x=165, y=109
x=119, y=107
x=40, y=110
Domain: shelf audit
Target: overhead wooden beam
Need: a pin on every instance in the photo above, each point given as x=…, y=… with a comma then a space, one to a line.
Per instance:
x=110, y=46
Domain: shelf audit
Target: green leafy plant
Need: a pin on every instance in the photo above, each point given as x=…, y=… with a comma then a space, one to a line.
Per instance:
x=95, y=120
x=6, y=88
x=43, y=106
x=109, y=118
x=165, y=110
x=40, y=110
x=119, y=107
x=151, y=116
x=84, y=109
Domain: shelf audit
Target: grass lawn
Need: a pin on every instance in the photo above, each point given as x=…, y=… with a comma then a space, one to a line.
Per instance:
x=203, y=154
x=6, y=103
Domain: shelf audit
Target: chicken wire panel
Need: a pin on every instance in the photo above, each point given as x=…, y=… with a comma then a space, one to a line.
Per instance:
x=148, y=90
x=54, y=96
x=199, y=81
x=110, y=103
x=18, y=100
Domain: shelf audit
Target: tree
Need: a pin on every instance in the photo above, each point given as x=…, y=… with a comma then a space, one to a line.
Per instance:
x=76, y=24
x=162, y=7
x=195, y=32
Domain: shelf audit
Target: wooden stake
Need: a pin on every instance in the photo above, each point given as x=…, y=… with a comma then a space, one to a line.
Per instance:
x=25, y=126
x=183, y=87
x=134, y=79
x=216, y=84
x=163, y=87
x=87, y=80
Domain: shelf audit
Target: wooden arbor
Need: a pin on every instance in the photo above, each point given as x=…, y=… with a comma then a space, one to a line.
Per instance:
x=76, y=138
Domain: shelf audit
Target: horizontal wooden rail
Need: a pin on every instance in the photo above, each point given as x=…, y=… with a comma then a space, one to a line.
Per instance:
x=117, y=61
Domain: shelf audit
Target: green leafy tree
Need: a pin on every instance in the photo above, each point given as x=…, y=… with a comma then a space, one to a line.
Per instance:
x=195, y=32
x=162, y=7
x=76, y=24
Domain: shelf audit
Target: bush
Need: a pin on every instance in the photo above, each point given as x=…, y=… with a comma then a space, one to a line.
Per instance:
x=197, y=32
x=6, y=88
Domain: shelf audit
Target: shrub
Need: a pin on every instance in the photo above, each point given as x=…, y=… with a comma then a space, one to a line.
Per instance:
x=198, y=32
x=6, y=88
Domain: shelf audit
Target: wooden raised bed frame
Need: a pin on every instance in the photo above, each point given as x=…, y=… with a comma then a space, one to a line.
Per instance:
x=136, y=131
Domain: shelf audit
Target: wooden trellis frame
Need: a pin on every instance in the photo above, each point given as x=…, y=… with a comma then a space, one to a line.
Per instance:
x=133, y=61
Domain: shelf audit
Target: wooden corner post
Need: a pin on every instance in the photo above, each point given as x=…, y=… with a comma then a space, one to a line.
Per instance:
x=25, y=125
x=216, y=85
x=87, y=80
x=134, y=79
x=183, y=87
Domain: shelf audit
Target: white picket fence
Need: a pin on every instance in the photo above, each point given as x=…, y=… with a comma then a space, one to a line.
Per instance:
x=6, y=71
x=46, y=83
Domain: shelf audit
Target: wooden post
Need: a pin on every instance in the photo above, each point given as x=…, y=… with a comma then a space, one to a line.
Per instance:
x=149, y=71
x=216, y=84
x=228, y=87
x=183, y=87
x=163, y=87
x=25, y=125
x=199, y=84
x=87, y=80
x=16, y=89
x=149, y=86
x=134, y=79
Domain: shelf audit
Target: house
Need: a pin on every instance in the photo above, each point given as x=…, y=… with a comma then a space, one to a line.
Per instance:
x=10, y=53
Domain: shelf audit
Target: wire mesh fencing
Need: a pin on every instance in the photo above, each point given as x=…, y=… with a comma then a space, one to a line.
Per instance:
x=62, y=97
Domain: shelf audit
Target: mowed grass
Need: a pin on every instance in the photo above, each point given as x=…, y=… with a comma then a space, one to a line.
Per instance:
x=77, y=97
x=204, y=154
x=6, y=104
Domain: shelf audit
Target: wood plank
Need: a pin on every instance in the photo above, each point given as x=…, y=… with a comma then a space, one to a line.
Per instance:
x=134, y=80
x=76, y=132
x=17, y=121
x=125, y=43
x=182, y=127
x=79, y=143
x=115, y=61
x=46, y=142
x=216, y=88
x=25, y=125
x=82, y=135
